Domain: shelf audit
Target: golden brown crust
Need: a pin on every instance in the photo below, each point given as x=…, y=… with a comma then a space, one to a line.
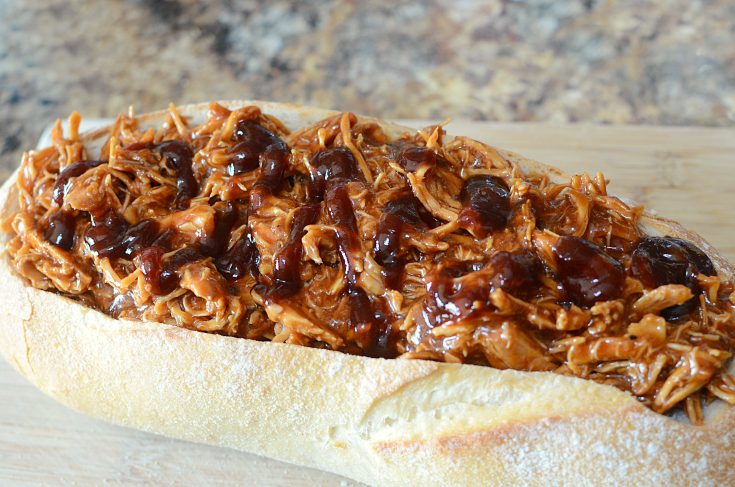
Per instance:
x=383, y=422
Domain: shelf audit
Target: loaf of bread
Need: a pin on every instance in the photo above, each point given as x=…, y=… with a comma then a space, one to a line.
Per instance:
x=423, y=391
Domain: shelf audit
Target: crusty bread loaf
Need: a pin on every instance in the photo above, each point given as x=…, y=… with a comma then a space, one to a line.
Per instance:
x=382, y=422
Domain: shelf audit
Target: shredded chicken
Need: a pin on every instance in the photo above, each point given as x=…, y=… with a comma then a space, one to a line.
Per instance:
x=661, y=298
x=337, y=236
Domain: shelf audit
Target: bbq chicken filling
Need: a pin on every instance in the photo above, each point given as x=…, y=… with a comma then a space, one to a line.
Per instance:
x=338, y=236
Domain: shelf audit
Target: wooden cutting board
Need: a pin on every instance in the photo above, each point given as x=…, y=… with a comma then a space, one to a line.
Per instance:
x=684, y=173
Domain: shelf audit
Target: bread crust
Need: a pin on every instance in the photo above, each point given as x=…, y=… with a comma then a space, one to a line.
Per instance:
x=382, y=422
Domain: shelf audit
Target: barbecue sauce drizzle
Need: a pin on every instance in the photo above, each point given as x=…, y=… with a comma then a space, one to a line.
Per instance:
x=587, y=274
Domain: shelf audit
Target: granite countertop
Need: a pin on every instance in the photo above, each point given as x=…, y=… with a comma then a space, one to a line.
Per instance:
x=598, y=61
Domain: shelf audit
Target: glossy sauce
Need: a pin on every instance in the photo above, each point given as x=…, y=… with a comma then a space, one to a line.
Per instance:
x=333, y=169
x=241, y=259
x=110, y=236
x=458, y=290
x=485, y=205
x=253, y=139
x=413, y=158
x=243, y=158
x=215, y=243
x=287, y=262
x=73, y=170
x=60, y=231
x=586, y=273
x=162, y=276
x=275, y=161
x=334, y=165
x=179, y=156
x=660, y=261
x=401, y=211
x=515, y=273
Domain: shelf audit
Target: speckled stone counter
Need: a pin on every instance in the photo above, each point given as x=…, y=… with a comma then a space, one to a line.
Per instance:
x=601, y=61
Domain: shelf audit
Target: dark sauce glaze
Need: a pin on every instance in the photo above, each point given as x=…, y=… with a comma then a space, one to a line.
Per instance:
x=460, y=290
x=335, y=165
x=414, y=158
x=150, y=267
x=274, y=162
x=253, y=139
x=215, y=243
x=515, y=273
x=387, y=248
x=240, y=260
x=73, y=170
x=162, y=275
x=60, y=230
x=586, y=273
x=339, y=207
x=485, y=205
x=660, y=261
x=179, y=156
x=165, y=240
x=243, y=157
x=287, y=262
x=370, y=323
x=452, y=291
x=332, y=170
x=110, y=236
x=402, y=210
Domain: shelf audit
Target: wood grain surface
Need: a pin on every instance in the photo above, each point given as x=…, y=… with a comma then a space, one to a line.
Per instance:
x=684, y=173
